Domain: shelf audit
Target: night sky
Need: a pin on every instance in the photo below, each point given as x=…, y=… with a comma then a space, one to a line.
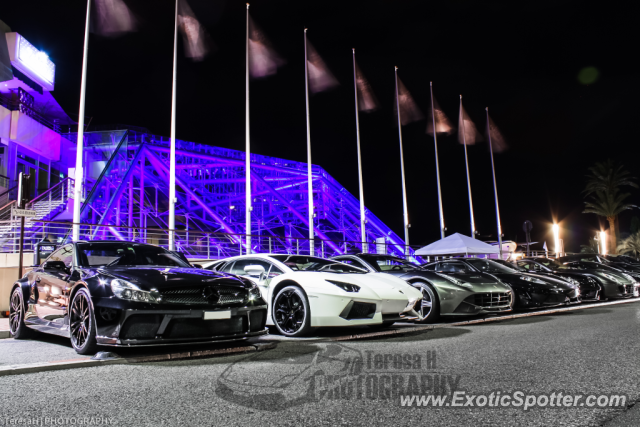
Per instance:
x=521, y=59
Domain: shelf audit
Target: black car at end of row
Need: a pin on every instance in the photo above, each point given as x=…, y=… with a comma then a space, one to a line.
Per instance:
x=531, y=291
x=129, y=294
x=590, y=287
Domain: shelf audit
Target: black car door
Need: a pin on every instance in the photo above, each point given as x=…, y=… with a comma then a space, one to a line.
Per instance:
x=53, y=285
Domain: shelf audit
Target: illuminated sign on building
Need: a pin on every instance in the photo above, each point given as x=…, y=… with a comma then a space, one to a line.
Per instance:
x=31, y=61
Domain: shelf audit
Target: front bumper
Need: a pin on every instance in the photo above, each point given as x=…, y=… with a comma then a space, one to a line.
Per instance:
x=548, y=298
x=166, y=327
x=485, y=303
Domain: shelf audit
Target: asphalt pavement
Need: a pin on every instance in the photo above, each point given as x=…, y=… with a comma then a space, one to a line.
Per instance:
x=324, y=382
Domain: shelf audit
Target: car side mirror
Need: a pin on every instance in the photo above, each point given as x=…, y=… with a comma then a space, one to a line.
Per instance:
x=55, y=265
x=254, y=270
x=197, y=265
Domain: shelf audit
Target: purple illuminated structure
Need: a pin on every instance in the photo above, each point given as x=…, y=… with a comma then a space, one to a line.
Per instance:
x=127, y=175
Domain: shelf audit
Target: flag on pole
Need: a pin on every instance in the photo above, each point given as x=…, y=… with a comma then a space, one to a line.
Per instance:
x=409, y=110
x=467, y=132
x=113, y=18
x=320, y=78
x=443, y=125
x=367, y=101
x=197, y=42
x=263, y=59
x=498, y=142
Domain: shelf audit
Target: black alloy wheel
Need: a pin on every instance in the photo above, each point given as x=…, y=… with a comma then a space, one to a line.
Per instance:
x=17, y=328
x=429, y=307
x=82, y=324
x=291, y=313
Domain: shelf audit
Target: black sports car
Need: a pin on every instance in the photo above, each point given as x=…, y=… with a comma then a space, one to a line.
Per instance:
x=614, y=262
x=452, y=292
x=125, y=294
x=615, y=283
x=590, y=289
x=531, y=290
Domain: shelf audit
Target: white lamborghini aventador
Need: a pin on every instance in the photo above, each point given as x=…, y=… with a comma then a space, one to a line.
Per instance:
x=304, y=292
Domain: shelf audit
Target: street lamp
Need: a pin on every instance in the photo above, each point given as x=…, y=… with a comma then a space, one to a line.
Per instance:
x=603, y=242
x=556, y=239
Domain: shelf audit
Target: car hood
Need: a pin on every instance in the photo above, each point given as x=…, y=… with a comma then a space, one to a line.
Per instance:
x=164, y=278
x=549, y=282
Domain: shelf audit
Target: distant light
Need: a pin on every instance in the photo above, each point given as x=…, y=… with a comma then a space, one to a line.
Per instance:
x=556, y=239
x=232, y=207
x=603, y=242
x=61, y=176
x=588, y=75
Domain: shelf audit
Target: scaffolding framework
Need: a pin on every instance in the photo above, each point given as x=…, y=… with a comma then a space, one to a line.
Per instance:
x=127, y=190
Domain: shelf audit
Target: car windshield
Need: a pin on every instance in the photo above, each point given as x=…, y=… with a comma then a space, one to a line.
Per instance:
x=310, y=263
x=108, y=254
x=487, y=266
x=509, y=264
x=389, y=263
x=552, y=264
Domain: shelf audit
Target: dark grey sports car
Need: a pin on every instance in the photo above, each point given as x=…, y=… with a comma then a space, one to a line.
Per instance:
x=531, y=291
x=128, y=294
x=453, y=291
x=615, y=283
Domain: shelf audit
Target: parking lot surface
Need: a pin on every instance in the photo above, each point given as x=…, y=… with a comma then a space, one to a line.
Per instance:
x=325, y=382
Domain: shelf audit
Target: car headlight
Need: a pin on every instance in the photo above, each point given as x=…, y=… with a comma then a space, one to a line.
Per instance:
x=128, y=291
x=570, y=280
x=347, y=287
x=610, y=277
x=254, y=293
x=533, y=280
x=456, y=281
x=630, y=277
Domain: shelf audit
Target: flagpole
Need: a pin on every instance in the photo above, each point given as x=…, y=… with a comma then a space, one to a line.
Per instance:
x=495, y=188
x=466, y=160
x=172, y=156
x=435, y=144
x=79, y=172
x=309, y=175
x=404, y=187
x=247, y=167
x=363, y=232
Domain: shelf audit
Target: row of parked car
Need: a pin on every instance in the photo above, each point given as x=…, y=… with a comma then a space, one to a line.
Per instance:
x=106, y=293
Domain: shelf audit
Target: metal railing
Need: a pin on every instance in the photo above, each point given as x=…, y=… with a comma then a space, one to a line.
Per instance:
x=195, y=244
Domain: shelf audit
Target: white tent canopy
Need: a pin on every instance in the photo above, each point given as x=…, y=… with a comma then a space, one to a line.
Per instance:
x=457, y=244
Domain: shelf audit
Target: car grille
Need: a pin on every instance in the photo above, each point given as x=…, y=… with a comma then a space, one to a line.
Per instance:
x=228, y=295
x=492, y=299
x=628, y=289
x=361, y=310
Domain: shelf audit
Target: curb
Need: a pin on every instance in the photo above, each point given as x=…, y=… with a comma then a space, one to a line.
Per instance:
x=5, y=334
x=88, y=362
x=539, y=313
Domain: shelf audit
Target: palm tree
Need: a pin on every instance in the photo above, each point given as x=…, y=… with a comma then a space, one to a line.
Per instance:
x=608, y=204
x=631, y=245
x=607, y=177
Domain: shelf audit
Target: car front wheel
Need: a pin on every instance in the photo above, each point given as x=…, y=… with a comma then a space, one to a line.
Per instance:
x=291, y=313
x=82, y=324
x=429, y=307
x=17, y=328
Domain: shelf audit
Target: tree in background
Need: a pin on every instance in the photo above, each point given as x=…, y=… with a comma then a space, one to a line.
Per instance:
x=630, y=245
x=635, y=225
x=603, y=194
x=591, y=248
